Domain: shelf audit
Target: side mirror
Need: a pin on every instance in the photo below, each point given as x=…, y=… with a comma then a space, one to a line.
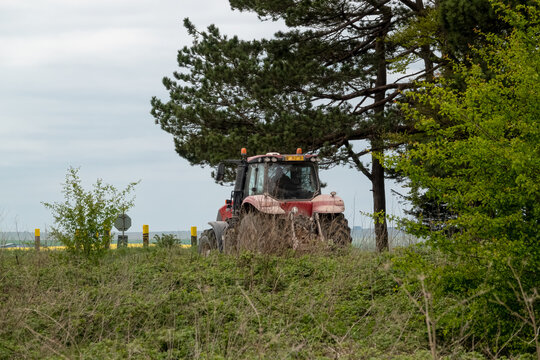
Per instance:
x=220, y=172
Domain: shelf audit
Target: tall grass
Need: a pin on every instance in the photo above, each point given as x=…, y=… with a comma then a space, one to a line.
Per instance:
x=169, y=303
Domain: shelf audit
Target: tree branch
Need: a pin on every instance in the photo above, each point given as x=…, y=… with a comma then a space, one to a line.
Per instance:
x=363, y=92
x=356, y=160
x=411, y=5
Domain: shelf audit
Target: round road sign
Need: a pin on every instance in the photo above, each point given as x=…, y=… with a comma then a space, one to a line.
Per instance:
x=123, y=222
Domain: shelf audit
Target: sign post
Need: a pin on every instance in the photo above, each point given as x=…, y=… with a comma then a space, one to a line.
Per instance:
x=122, y=223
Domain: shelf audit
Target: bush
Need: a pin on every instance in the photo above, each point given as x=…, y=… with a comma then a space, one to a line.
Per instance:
x=82, y=223
x=481, y=163
x=166, y=240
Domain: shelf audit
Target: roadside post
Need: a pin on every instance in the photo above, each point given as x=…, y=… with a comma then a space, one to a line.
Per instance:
x=37, y=240
x=107, y=236
x=194, y=238
x=145, y=235
x=122, y=223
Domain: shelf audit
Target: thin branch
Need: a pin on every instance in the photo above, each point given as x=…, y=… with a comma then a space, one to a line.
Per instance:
x=420, y=73
x=363, y=92
x=410, y=5
x=378, y=103
x=356, y=160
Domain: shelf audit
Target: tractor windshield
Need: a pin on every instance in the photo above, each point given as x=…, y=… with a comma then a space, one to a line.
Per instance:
x=292, y=180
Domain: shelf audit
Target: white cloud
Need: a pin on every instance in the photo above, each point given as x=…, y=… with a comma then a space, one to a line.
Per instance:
x=104, y=45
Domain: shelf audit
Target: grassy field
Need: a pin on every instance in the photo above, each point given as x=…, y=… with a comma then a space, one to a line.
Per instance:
x=156, y=303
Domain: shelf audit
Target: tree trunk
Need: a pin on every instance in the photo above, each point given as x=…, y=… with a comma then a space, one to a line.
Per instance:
x=379, y=204
x=377, y=171
x=425, y=50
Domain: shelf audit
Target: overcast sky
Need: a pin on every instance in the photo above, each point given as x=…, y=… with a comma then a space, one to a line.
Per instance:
x=76, y=78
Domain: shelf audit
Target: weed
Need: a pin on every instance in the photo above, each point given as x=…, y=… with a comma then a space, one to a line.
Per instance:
x=165, y=303
x=166, y=240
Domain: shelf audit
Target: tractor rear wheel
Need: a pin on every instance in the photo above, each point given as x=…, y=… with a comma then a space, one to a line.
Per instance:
x=251, y=231
x=336, y=229
x=207, y=242
x=262, y=233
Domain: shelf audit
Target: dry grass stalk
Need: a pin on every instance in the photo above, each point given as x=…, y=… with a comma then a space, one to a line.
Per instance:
x=269, y=234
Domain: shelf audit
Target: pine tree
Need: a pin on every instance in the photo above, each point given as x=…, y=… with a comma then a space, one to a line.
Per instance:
x=323, y=85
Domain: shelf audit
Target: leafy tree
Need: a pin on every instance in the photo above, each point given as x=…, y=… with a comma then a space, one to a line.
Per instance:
x=484, y=146
x=462, y=21
x=83, y=221
x=458, y=27
x=322, y=85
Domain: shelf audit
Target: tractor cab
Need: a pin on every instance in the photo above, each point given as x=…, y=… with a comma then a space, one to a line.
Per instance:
x=282, y=179
x=279, y=177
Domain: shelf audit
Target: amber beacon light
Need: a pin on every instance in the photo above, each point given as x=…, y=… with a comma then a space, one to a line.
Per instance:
x=299, y=150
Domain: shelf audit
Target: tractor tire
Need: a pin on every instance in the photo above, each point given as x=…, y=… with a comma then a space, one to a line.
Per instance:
x=261, y=233
x=336, y=230
x=248, y=232
x=207, y=243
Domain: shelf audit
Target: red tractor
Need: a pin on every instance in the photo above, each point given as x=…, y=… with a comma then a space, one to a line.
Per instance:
x=276, y=193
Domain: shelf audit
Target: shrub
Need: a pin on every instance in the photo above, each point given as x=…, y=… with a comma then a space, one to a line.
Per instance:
x=481, y=162
x=166, y=240
x=82, y=223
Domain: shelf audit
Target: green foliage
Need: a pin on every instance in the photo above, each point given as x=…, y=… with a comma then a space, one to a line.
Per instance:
x=415, y=33
x=84, y=220
x=166, y=240
x=481, y=161
x=311, y=86
x=463, y=21
x=165, y=303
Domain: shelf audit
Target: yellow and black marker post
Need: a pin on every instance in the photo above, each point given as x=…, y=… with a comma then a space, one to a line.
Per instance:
x=37, y=241
x=194, y=238
x=145, y=235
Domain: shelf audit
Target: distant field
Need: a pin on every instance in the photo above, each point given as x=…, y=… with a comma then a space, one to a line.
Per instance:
x=362, y=238
x=26, y=238
x=61, y=247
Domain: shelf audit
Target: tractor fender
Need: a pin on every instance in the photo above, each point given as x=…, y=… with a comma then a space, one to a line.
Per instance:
x=328, y=204
x=219, y=228
x=264, y=204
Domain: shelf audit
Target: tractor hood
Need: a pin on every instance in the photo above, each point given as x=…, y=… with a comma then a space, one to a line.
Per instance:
x=265, y=204
x=323, y=204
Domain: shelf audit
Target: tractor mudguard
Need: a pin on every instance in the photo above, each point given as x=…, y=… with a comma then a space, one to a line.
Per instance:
x=265, y=204
x=219, y=228
x=328, y=204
